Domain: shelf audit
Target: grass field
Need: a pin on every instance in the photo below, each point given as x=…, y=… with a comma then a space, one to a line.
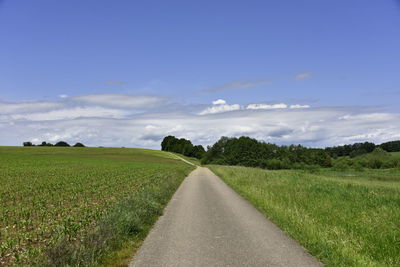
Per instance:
x=395, y=154
x=190, y=159
x=72, y=206
x=343, y=220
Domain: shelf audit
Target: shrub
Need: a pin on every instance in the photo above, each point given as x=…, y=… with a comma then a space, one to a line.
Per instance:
x=375, y=163
x=274, y=164
x=79, y=145
x=61, y=143
x=341, y=164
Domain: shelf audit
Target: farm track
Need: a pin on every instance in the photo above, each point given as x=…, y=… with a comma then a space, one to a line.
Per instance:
x=207, y=224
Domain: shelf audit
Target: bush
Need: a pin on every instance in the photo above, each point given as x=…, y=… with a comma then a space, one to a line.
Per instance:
x=27, y=144
x=79, y=145
x=375, y=163
x=62, y=143
x=273, y=164
x=358, y=166
x=341, y=164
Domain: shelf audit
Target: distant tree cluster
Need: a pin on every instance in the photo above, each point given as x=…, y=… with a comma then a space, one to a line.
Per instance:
x=392, y=146
x=359, y=149
x=246, y=151
x=353, y=150
x=182, y=146
x=60, y=143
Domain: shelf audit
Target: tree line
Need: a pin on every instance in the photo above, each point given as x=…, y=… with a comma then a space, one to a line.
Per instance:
x=60, y=143
x=182, y=146
x=246, y=151
x=359, y=149
x=250, y=152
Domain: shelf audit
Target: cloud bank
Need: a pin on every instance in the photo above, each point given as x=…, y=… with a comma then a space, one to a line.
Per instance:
x=142, y=121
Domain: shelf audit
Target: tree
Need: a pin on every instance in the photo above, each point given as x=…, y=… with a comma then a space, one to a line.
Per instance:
x=181, y=146
x=393, y=146
x=79, y=145
x=45, y=144
x=27, y=144
x=62, y=143
x=198, y=151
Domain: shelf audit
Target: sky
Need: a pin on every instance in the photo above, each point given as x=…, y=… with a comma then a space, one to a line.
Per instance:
x=127, y=73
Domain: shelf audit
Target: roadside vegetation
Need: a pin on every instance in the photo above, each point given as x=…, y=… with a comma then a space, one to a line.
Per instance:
x=80, y=206
x=193, y=160
x=344, y=218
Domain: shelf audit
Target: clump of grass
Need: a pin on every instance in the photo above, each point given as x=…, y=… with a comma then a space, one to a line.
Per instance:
x=344, y=221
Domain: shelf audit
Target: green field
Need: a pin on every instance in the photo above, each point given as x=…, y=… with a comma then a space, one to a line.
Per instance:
x=343, y=220
x=395, y=154
x=74, y=205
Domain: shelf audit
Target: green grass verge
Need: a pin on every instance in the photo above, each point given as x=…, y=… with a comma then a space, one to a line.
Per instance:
x=80, y=206
x=344, y=221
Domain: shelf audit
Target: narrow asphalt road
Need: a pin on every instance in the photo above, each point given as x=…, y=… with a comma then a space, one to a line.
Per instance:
x=207, y=224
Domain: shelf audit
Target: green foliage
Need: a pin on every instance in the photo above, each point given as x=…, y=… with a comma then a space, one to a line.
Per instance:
x=45, y=144
x=61, y=143
x=359, y=149
x=79, y=203
x=182, y=146
x=79, y=145
x=377, y=159
x=393, y=146
x=246, y=151
x=343, y=220
x=342, y=164
x=350, y=150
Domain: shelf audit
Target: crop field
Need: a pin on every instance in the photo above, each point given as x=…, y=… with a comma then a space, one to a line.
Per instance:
x=63, y=206
x=345, y=219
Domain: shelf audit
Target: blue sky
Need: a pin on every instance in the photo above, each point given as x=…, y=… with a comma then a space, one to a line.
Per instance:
x=312, y=72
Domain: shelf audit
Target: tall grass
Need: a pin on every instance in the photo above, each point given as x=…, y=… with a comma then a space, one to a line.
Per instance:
x=344, y=221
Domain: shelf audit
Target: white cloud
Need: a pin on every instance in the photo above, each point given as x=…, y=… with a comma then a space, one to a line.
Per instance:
x=299, y=106
x=119, y=100
x=219, y=102
x=303, y=75
x=266, y=106
x=70, y=113
x=220, y=106
x=63, y=96
x=279, y=123
x=220, y=109
x=25, y=107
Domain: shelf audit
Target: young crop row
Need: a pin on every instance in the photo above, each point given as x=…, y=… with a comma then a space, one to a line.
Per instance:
x=54, y=194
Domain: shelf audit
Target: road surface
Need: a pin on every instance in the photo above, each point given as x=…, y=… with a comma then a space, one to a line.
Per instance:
x=207, y=224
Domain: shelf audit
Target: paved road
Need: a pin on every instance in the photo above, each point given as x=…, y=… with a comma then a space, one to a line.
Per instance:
x=208, y=224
